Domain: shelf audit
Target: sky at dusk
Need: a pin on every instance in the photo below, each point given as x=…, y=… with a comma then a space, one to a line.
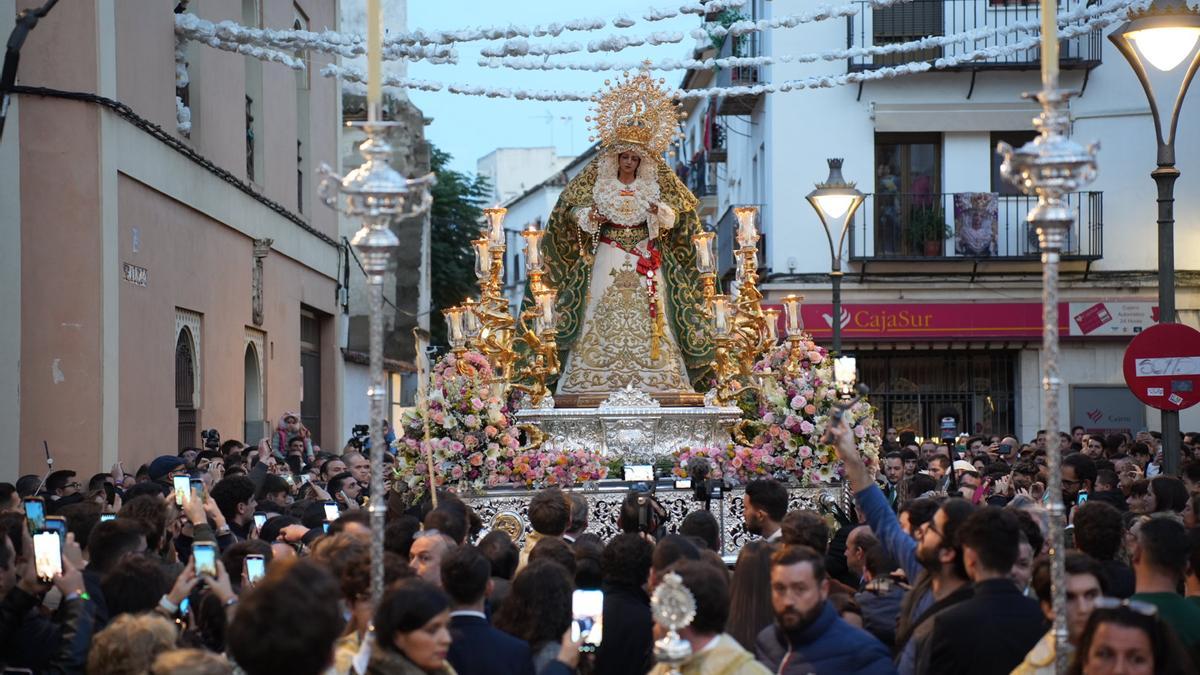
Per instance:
x=469, y=127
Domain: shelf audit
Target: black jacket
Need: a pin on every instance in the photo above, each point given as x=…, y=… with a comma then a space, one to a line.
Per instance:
x=479, y=648
x=1120, y=578
x=989, y=633
x=628, y=632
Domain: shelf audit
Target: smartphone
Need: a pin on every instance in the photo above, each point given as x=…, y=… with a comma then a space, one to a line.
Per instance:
x=331, y=510
x=197, y=486
x=105, y=517
x=183, y=487
x=305, y=478
x=256, y=567
x=35, y=514
x=58, y=525
x=47, y=552
x=587, y=612
x=185, y=606
x=1082, y=498
x=291, y=480
x=1005, y=449
x=260, y=519
x=325, y=527
x=204, y=558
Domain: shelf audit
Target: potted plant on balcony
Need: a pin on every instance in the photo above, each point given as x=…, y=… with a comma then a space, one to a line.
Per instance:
x=927, y=231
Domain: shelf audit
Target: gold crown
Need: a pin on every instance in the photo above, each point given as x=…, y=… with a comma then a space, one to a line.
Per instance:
x=635, y=111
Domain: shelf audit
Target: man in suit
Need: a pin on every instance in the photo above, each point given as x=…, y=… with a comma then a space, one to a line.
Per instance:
x=477, y=647
x=1011, y=623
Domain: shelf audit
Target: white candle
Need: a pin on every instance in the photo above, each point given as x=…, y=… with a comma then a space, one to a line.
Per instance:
x=845, y=372
x=483, y=257
x=374, y=58
x=495, y=218
x=1050, y=44
x=720, y=310
x=704, y=253
x=791, y=308
x=533, y=248
x=747, y=234
x=771, y=316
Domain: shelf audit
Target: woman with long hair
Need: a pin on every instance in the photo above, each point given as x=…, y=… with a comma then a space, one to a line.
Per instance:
x=1128, y=637
x=412, y=631
x=538, y=609
x=750, y=593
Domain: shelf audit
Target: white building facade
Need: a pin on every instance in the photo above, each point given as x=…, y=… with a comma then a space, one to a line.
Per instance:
x=952, y=326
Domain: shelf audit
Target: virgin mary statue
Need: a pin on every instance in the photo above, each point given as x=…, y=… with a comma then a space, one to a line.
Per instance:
x=619, y=251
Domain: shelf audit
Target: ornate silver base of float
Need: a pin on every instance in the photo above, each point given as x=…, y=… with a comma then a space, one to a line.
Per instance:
x=631, y=425
x=508, y=509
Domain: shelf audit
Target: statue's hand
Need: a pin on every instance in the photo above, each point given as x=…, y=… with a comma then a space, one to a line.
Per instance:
x=654, y=208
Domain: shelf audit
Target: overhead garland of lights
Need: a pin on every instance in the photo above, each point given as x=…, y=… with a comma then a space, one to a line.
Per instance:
x=358, y=77
x=1083, y=12
x=516, y=52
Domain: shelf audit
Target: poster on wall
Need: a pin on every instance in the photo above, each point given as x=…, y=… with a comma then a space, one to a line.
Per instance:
x=1106, y=409
x=975, y=223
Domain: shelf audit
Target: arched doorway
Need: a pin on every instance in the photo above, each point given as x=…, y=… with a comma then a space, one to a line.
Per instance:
x=253, y=397
x=185, y=388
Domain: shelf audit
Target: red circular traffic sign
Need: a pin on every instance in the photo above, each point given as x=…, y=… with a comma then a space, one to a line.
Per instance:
x=1162, y=366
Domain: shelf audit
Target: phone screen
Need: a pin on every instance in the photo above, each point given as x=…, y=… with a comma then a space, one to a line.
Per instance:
x=260, y=519
x=198, y=487
x=331, y=511
x=35, y=515
x=58, y=525
x=204, y=557
x=185, y=606
x=183, y=486
x=47, y=552
x=105, y=517
x=1083, y=497
x=256, y=567
x=587, y=611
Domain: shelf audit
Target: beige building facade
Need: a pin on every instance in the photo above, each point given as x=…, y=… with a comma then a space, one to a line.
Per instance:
x=156, y=283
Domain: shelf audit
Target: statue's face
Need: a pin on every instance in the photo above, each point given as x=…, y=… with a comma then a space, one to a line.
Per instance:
x=628, y=162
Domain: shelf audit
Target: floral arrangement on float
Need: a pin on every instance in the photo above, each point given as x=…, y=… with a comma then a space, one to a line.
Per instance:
x=784, y=417
x=474, y=438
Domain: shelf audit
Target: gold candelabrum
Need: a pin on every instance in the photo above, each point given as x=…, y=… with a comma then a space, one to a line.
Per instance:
x=742, y=330
x=488, y=326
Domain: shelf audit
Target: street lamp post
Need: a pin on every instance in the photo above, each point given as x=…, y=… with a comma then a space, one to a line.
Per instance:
x=835, y=201
x=1165, y=35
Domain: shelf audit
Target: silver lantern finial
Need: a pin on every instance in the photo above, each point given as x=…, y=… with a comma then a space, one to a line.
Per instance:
x=379, y=195
x=673, y=607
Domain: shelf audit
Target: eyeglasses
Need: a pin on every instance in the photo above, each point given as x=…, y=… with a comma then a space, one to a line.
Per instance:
x=1143, y=608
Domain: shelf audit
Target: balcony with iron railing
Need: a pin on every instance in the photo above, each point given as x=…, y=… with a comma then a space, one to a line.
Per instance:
x=739, y=76
x=967, y=226
x=992, y=19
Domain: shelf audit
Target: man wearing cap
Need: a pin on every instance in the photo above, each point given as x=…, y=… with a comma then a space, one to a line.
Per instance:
x=163, y=469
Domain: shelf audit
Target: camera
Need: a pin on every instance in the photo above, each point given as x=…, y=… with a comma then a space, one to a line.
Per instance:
x=642, y=512
x=359, y=434
x=704, y=489
x=212, y=438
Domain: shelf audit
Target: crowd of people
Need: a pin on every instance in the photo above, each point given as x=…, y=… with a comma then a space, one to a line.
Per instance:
x=256, y=560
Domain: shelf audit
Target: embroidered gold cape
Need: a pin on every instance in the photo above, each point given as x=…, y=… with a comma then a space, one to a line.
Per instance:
x=569, y=270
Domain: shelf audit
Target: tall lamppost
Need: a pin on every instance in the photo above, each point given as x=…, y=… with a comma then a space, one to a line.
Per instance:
x=1165, y=35
x=835, y=201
